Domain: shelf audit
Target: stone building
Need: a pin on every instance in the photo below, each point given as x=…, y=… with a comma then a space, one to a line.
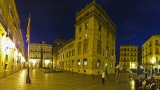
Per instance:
x=151, y=54
x=11, y=40
x=93, y=48
x=128, y=58
x=40, y=55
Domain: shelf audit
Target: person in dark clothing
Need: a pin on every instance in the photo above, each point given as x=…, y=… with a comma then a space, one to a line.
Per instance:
x=146, y=75
x=136, y=83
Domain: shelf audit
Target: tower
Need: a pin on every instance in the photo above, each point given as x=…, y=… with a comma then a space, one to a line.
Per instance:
x=95, y=39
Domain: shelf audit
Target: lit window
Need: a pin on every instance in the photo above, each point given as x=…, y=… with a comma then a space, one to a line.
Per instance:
x=99, y=36
x=98, y=62
x=86, y=35
x=85, y=62
x=100, y=27
x=79, y=62
x=86, y=25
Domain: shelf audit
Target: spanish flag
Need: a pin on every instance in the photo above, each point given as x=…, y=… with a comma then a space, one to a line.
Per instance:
x=28, y=30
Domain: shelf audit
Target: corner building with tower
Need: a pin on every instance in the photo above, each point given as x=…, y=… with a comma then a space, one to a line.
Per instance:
x=93, y=48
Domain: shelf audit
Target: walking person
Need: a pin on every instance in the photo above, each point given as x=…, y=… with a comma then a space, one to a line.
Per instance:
x=129, y=76
x=145, y=75
x=103, y=77
x=137, y=83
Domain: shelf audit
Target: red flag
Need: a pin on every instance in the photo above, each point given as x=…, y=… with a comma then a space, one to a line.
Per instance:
x=28, y=30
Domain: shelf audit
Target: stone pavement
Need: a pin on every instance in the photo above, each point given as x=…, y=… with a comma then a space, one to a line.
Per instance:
x=63, y=81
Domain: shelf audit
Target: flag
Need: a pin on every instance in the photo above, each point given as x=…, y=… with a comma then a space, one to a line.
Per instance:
x=28, y=30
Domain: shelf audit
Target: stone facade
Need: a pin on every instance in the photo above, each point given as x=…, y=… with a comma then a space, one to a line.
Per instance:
x=151, y=54
x=93, y=48
x=40, y=55
x=128, y=57
x=11, y=40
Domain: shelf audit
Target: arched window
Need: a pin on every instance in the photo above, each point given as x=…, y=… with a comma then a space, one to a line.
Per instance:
x=99, y=43
x=85, y=46
x=79, y=47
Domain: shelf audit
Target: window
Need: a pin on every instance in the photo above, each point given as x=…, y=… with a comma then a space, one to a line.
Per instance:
x=106, y=53
x=99, y=47
x=5, y=67
x=67, y=63
x=157, y=50
x=100, y=27
x=72, y=63
x=69, y=53
x=156, y=42
x=0, y=11
x=80, y=29
x=99, y=36
x=79, y=62
x=86, y=25
x=86, y=35
x=79, y=48
x=111, y=65
x=107, y=50
x=98, y=62
x=63, y=56
x=73, y=52
x=85, y=46
x=6, y=58
x=85, y=62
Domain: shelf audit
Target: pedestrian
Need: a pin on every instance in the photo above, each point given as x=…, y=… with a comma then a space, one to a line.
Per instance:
x=103, y=77
x=136, y=83
x=129, y=76
x=146, y=75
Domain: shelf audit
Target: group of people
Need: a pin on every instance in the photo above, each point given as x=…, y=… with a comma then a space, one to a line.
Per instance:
x=146, y=84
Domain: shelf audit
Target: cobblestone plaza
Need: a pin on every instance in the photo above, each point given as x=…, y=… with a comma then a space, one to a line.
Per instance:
x=63, y=81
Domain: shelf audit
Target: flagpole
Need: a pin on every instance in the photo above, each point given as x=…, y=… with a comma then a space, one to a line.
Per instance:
x=28, y=80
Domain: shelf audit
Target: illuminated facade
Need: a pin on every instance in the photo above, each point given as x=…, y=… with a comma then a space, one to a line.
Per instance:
x=151, y=53
x=40, y=55
x=128, y=57
x=11, y=40
x=93, y=48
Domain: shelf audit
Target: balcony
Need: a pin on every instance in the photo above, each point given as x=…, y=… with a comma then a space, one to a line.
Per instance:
x=150, y=45
x=157, y=44
x=157, y=53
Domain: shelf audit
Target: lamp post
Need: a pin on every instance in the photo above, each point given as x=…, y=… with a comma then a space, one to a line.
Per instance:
x=28, y=80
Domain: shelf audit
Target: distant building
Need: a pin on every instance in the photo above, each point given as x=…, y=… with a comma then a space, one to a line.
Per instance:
x=128, y=57
x=40, y=55
x=93, y=48
x=151, y=54
x=58, y=43
x=11, y=40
